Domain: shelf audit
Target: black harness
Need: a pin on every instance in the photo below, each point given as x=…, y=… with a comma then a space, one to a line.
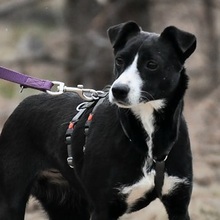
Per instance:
x=159, y=166
x=81, y=108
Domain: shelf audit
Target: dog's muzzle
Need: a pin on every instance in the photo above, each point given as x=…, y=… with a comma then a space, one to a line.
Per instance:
x=120, y=91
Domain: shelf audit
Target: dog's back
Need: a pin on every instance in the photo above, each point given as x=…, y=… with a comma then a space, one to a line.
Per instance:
x=32, y=158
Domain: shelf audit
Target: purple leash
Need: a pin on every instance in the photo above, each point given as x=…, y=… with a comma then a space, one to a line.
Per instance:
x=46, y=85
x=24, y=80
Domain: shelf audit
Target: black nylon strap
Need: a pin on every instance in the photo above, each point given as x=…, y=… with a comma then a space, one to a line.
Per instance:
x=159, y=177
x=81, y=108
x=88, y=122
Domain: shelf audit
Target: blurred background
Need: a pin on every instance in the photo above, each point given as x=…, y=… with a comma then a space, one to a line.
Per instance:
x=66, y=41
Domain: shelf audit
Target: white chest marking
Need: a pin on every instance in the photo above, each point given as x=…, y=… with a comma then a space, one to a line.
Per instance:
x=139, y=189
x=171, y=183
x=146, y=183
x=144, y=111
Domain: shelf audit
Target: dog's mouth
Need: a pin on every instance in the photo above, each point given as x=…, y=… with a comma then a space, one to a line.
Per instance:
x=121, y=103
x=126, y=102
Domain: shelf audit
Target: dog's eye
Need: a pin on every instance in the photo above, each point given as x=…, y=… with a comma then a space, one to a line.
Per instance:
x=119, y=61
x=151, y=65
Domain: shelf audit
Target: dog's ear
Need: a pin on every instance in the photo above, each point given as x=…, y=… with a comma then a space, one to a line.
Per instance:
x=119, y=34
x=184, y=41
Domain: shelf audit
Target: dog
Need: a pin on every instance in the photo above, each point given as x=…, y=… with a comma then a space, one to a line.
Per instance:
x=136, y=128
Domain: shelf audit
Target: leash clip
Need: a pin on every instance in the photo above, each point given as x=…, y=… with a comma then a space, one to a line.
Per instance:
x=60, y=88
x=85, y=94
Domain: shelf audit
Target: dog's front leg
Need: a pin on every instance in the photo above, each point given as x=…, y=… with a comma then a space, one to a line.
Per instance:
x=101, y=216
x=176, y=202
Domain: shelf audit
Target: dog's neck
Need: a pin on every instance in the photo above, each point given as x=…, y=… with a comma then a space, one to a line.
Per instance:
x=160, y=120
x=145, y=113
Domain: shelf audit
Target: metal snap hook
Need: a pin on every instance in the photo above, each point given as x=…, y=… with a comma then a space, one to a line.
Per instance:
x=60, y=88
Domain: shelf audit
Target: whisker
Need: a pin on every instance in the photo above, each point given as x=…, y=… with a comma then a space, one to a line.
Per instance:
x=146, y=95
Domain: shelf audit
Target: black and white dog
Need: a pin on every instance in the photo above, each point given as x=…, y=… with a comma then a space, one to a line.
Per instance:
x=139, y=125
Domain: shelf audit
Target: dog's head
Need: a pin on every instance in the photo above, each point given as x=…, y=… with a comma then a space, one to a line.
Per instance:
x=147, y=65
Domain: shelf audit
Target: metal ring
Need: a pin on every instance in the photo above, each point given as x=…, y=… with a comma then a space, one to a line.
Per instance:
x=81, y=106
x=70, y=162
x=165, y=158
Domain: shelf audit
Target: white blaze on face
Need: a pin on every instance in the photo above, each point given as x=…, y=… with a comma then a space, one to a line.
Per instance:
x=131, y=78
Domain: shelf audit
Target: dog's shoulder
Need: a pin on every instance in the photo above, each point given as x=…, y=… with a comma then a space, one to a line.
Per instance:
x=42, y=111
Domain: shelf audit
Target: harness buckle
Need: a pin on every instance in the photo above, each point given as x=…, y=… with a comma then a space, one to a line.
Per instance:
x=70, y=162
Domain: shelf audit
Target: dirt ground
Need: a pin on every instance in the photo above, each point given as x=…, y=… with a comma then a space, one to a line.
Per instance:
x=203, y=117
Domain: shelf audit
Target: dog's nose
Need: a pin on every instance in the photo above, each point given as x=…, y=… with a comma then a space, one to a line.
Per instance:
x=120, y=91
